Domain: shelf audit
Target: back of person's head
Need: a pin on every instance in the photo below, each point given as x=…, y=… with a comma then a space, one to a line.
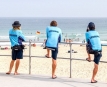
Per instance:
x=53, y=23
x=91, y=26
x=16, y=25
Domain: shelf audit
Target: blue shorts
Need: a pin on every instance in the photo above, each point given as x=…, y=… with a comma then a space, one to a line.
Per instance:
x=54, y=53
x=17, y=54
x=97, y=57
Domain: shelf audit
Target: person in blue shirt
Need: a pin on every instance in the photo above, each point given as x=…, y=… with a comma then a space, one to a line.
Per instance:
x=16, y=38
x=54, y=35
x=93, y=40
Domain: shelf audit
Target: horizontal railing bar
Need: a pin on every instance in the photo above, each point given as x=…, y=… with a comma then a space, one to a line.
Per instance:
x=86, y=60
x=68, y=58
x=10, y=55
x=9, y=41
x=80, y=43
x=57, y=57
x=48, y=58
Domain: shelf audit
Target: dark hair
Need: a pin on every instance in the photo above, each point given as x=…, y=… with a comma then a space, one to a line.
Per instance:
x=91, y=26
x=87, y=29
x=53, y=23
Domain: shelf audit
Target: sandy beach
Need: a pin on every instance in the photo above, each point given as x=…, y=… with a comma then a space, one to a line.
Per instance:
x=42, y=66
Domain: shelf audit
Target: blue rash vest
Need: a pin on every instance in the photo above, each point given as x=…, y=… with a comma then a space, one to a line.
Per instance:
x=54, y=35
x=93, y=37
x=16, y=37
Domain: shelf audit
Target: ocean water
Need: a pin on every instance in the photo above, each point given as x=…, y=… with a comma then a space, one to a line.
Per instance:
x=72, y=28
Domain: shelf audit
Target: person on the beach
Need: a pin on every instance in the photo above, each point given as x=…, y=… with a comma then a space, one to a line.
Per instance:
x=94, y=47
x=43, y=45
x=54, y=35
x=16, y=37
x=64, y=39
x=89, y=56
x=64, y=42
x=70, y=41
x=67, y=41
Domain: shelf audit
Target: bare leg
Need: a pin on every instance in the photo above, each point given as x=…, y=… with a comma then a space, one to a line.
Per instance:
x=89, y=56
x=17, y=66
x=48, y=53
x=11, y=66
x=94, y=72
x=54, y=64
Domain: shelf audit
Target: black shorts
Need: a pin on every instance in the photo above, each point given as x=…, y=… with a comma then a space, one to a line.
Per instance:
x=17, y=54
x=97, y=57
x=54, y=52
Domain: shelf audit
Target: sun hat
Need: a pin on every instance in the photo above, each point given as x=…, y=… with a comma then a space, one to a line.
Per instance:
x=16, y=24
x=91, y=24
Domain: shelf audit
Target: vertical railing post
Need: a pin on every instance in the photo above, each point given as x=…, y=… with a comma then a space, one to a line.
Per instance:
x=70, y=59
x=29, y=56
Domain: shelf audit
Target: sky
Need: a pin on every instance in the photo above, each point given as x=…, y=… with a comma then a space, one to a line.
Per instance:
x=53, y=8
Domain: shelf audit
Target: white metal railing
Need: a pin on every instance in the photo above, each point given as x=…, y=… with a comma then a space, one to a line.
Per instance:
x=77, y=43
